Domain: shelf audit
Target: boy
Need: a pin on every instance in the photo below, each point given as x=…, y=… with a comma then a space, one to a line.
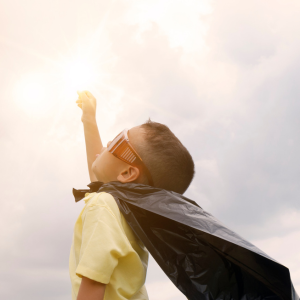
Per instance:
x=107, y=261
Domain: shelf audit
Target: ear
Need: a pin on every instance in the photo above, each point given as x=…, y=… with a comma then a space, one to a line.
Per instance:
x=129, y=174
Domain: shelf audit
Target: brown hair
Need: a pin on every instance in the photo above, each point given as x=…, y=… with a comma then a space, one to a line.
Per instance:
x=168, y=161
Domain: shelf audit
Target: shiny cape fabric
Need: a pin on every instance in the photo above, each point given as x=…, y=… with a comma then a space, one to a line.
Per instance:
x=203, y=258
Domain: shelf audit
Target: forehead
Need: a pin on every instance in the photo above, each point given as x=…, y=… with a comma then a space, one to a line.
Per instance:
x=135, y=135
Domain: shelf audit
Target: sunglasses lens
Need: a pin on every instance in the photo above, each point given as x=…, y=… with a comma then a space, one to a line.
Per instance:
x=116, y=141
x=128, y=155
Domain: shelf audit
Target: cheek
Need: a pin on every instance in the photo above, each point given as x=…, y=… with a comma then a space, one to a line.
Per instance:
x=99, y=163
x=104, y=167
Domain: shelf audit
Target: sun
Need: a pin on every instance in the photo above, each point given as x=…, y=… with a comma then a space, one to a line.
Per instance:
x=32, y=90
x=79, y=74
x=85, y=67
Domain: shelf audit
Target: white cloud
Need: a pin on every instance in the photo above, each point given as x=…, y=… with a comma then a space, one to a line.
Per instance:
x=179, y=20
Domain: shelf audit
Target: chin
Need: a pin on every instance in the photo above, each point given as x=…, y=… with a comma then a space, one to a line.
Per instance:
x=94, y=170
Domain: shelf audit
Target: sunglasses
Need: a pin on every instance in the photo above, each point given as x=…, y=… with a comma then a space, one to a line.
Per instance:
x=121, y=148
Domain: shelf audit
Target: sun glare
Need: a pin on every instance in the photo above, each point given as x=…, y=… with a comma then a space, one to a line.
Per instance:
x=30, y=94
x=78, y=75
x=55, y=87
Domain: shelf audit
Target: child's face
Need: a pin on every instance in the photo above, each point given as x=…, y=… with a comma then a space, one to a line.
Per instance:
x=107, y=167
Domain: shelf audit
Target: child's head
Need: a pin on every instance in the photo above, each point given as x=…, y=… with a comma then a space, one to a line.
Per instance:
x=168, y=161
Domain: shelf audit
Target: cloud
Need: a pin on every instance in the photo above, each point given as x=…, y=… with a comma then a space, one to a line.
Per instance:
x=237, y=35
x=181, y=24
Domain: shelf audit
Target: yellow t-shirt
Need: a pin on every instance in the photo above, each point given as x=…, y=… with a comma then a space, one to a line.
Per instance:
x=106, y=250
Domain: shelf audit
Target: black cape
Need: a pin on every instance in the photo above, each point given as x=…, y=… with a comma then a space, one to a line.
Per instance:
x=204, y=259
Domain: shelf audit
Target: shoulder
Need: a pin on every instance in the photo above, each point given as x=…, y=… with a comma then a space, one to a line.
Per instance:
x=103, y=200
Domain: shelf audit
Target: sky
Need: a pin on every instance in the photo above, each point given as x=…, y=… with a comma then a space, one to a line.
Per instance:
x=223, y=75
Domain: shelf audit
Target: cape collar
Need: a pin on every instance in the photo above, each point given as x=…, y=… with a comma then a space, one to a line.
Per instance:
x=93, y=188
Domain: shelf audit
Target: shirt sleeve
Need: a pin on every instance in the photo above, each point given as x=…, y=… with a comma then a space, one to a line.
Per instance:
x=103, y=244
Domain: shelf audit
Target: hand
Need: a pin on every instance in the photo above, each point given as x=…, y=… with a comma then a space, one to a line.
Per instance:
x=87, y=102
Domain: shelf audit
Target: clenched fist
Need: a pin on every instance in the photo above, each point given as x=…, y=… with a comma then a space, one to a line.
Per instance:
x=87, y=102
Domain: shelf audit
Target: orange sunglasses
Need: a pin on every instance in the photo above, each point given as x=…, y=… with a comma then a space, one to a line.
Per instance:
x=121, y=148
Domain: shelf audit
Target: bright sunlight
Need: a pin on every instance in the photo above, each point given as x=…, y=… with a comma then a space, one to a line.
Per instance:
x=30, y=94
x=32, y=89
x=78, y=74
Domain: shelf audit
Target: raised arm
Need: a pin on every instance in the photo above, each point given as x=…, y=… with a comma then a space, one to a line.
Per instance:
x=87, y=102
